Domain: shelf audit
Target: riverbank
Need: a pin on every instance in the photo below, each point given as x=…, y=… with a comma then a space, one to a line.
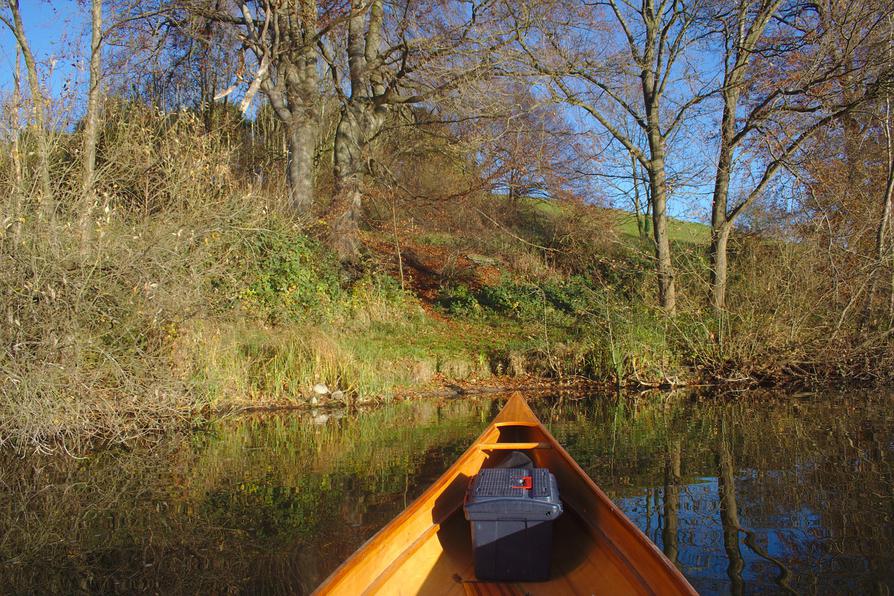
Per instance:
x=171, y=317
x=188, y=291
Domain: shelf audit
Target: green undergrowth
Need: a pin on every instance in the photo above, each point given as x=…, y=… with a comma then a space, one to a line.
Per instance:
x=304, y=324
x=367, y=337
x=578, y=329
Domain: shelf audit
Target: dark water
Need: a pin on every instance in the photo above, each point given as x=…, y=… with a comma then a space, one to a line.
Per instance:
x=756, y=494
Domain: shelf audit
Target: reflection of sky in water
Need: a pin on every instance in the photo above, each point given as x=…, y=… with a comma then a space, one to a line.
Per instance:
x=781, y=550
x=813, y=486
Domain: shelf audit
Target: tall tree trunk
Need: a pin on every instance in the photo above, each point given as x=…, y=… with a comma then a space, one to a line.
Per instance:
x=47, y=203
x=667, y=295
x=362, y=117
x=720, y=224
x=347, y=206
x=719, y=265
x=18, y=177
x=287, y=74
x=884, y=252
x=91, y=124
x=882, y=237
x=739, y=49
x=647, y=211
x=300, y=166
x=295, y=106
x=636, y=200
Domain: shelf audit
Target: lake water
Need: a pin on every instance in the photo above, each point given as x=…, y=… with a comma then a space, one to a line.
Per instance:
x=752, y=493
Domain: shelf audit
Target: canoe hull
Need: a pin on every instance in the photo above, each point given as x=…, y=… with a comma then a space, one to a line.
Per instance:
x=427, y=548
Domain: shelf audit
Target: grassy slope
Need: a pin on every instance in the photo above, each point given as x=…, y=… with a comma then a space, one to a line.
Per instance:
x=471, y=309
x=528, y=329
x=625, y=223
x=678, y=230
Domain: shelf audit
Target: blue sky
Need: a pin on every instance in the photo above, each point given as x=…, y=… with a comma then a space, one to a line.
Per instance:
x=57, y=32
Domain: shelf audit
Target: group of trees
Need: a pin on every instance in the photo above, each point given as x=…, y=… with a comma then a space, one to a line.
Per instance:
x=758, y=79
x=746, y=96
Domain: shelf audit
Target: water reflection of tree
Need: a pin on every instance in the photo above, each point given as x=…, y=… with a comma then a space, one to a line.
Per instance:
x=672, y=477
x=729, y=514
x=808, y=480
x=266, y=504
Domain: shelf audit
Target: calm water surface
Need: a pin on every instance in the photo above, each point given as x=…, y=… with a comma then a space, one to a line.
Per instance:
x=758, y=494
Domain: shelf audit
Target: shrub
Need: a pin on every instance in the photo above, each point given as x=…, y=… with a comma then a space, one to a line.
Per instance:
x=459, y=300
x=292, y=277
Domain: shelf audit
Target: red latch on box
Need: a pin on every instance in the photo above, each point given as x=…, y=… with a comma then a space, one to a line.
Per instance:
x=526, y=482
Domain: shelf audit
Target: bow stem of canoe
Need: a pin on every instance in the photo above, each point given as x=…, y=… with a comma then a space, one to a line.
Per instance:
x=427, y=548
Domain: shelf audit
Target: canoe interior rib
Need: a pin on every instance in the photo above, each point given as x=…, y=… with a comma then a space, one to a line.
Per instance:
x=427, y=548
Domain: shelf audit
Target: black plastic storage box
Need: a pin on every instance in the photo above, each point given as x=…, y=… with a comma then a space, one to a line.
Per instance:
x=511, y=511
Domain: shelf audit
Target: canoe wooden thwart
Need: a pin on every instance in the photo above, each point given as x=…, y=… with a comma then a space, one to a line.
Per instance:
x=512, y=446
x=427, y=548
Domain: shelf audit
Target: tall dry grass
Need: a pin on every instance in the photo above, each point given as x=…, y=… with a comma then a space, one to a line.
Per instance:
x=94, y=296
x=175, y=288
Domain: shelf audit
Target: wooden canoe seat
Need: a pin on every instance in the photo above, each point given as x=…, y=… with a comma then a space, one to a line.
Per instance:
x=512, y=446
x=516, y=423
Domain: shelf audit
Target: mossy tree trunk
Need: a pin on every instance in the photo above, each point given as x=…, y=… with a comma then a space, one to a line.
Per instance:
x=363, y=113
x=283, y=39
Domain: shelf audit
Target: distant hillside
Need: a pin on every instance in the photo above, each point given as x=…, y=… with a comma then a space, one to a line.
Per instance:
x=679, y=230
x=625, y=223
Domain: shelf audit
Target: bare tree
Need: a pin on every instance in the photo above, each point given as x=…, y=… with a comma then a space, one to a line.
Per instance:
x=14, y=209
x=282, y=38
x=13, y=20
x=363, y=113
x=802, y=69
x=884, y=242
x=392, y=53
x=743, y=28
x=91, y=119
x=657, y=36
x=526, y=147
x=284, y=45
x=884, y=226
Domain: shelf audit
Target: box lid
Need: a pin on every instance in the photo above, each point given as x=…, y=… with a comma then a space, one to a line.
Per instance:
x=513, y=493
